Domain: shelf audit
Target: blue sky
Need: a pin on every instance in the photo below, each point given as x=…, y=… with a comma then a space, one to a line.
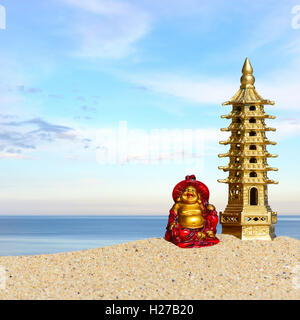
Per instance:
x=72, y=70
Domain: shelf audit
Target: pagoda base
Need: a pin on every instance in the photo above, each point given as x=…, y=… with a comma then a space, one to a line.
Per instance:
x=250, y=232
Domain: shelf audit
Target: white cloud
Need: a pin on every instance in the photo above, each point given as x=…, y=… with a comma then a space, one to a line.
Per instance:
x=7, y=155
x=100, y=6
x=206, y=91
x=12, y=79
x=108, y=29
x=282, y=86
x=274, y=25
x=286, y=127
x=293, y=47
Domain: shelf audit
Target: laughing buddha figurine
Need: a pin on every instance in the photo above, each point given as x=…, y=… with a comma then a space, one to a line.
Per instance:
x=192, y=221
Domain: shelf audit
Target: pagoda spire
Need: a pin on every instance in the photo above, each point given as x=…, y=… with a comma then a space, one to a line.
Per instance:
x=248, y=214
x=247, y=79
x=247, y=92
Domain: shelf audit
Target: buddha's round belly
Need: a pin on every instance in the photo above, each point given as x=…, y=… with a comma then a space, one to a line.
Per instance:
x=191, y=221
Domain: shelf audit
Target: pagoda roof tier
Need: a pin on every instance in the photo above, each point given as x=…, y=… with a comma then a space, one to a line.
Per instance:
x=247, y=140
x=247, y=93
x=247, y=96
x=248, y=154
x=246, y=127
x=244, y=115
x=269, y=181
x=247, y=167
x=247, y=180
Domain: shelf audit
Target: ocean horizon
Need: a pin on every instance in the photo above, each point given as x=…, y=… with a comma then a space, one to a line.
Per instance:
x=45, y=234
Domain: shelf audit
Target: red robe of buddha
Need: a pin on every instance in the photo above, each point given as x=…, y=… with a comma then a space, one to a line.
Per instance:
x=187, y=237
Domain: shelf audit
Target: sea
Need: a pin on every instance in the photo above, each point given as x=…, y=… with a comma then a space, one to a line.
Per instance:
x=30, y=235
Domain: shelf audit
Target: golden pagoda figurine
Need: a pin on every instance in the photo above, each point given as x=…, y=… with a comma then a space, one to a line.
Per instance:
x=248, y=215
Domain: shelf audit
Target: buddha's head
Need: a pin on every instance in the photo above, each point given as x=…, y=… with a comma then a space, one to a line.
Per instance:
x=190, y=195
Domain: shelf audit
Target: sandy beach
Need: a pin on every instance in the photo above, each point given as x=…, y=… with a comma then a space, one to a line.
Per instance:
x=156, y=269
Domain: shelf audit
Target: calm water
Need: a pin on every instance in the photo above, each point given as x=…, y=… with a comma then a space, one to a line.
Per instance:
x=23, y=235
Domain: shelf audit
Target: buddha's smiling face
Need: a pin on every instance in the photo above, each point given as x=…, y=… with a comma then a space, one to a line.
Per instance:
x=189, y=195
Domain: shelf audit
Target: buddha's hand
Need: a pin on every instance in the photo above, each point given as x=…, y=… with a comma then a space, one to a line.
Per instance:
x=172, y=225
x=210, y=234
x=210, y=207
x=201, y=235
